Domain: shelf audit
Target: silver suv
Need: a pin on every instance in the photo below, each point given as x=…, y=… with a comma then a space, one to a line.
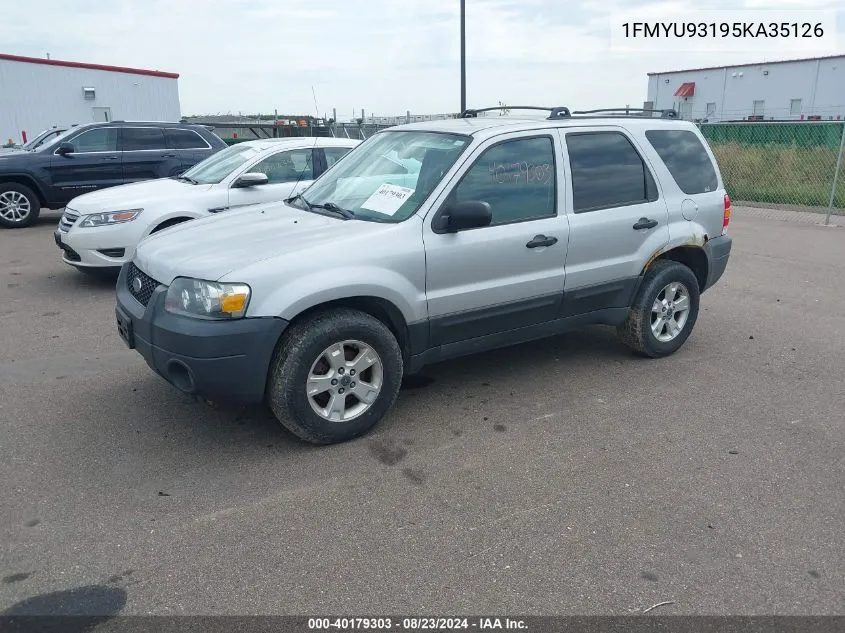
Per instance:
x=426, y=242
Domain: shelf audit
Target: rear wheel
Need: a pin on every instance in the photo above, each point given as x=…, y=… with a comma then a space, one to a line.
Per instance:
x=664, y=311
x=334, y=376
x=19, y=206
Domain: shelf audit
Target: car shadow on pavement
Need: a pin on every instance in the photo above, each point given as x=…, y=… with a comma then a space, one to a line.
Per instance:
x=215, y=424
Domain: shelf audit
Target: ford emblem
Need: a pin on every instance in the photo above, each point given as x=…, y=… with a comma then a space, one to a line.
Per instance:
x=136, y=284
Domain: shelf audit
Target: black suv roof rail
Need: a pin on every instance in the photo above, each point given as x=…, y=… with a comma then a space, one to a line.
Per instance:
x=667, y=113
x=562, y=112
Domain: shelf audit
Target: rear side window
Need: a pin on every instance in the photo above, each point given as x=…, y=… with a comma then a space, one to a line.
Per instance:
x=685, y=158
x=334, y=154
x=141, y=138
x=184, y=139
x=607, y=171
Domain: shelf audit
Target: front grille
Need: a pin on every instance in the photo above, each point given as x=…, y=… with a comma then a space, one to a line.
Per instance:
x=69, y=218
x=148, y=284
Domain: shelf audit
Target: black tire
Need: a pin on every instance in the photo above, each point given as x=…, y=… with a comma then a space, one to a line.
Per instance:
x=32, y=199
x=300, y=348
x=636, y=331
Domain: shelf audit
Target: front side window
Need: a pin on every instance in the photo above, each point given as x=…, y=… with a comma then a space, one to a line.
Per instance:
x=290, y=166
x=387, y=177
x=218, y=166
x=685, y=158
x=142, y=138
x=516, y=178
x=103, y=139
x=607, y=171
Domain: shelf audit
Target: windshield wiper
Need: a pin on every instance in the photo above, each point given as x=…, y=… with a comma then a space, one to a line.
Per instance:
x=299, y=196
x=186, y=179
x=328, y=206
x=331, y=206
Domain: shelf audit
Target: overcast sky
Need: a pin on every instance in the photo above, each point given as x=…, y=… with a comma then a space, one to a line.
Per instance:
x=386, y=56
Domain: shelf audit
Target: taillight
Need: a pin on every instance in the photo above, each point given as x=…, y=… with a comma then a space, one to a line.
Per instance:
x=726, y=218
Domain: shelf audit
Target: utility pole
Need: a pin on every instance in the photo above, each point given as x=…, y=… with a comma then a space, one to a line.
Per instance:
x=463, y=57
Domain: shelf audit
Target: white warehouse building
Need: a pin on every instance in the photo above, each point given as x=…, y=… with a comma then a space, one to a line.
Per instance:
x=798, y=89
x=37, y=94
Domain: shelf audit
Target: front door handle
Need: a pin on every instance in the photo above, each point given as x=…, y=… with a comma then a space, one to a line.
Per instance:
x=645, y=223
x=110, y=157
x=168, y=155
x=541, y=240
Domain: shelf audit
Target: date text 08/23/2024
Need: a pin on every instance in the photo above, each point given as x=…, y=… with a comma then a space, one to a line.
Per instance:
x=417, y=624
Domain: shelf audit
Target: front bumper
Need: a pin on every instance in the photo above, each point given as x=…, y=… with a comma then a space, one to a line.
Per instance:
x=718, y=251
x=77, y=255
x=223, y=360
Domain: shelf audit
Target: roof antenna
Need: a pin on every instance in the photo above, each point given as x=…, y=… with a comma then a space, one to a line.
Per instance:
x=316, y=109
x=48, y=55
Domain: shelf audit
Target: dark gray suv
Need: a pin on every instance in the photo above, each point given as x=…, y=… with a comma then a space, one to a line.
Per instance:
x=95, y=156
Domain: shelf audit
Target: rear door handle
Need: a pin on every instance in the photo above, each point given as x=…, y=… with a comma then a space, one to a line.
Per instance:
x=110, y=157
x=541, y=240
x=168, y=155
x=645, y=223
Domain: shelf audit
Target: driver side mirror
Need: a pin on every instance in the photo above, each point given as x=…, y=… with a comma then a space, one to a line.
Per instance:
x=65, y=148
x=468, y=214
x=253, y=179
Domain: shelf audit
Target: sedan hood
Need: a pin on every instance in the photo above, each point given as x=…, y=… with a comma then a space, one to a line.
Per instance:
x=135, y=195
x=212, y=247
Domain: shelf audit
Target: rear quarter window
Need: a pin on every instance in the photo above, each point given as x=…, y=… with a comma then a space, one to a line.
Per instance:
x=686, y=159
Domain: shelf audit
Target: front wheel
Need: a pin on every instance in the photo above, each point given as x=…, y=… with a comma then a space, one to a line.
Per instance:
x=663, y=312
x=19, y=206
x=334, y=376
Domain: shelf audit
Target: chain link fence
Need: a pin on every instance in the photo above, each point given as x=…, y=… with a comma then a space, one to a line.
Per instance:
x=789, y=165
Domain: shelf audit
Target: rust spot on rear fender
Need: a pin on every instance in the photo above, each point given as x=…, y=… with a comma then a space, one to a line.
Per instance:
x=652, y=259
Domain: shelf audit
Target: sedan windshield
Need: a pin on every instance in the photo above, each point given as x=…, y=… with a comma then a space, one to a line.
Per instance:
x=387, y=177
x=219, y=165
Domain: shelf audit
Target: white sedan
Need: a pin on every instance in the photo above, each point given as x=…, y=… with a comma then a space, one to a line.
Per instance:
x=100, y=230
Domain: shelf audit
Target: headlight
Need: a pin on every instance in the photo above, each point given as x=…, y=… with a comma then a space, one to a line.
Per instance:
x=109, y=218
x=206, y=299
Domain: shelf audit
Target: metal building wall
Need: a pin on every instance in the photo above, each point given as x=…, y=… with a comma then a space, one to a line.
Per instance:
x=818, y=83
x=34, y=97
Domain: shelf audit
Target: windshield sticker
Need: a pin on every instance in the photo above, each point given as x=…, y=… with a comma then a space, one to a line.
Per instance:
x=387, y=199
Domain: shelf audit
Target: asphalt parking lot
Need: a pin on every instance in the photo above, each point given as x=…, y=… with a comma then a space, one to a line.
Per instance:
x=559, y=477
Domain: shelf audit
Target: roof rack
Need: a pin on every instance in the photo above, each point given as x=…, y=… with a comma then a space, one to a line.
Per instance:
x=554, y=112
x=668, y=113
x=562, y=112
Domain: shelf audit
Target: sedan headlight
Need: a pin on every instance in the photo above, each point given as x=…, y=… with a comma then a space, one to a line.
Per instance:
x=110, y=217
x=206, y=299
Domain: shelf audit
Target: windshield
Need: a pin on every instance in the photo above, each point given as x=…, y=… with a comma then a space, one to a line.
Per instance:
x=43, y=136
x=219, y=165
x=388, y=176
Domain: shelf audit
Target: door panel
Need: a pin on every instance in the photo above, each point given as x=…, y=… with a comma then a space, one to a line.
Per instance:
x=145, y=154
x=487, y=280
x=612, y=190
x=94, y=164
x=289, y=172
